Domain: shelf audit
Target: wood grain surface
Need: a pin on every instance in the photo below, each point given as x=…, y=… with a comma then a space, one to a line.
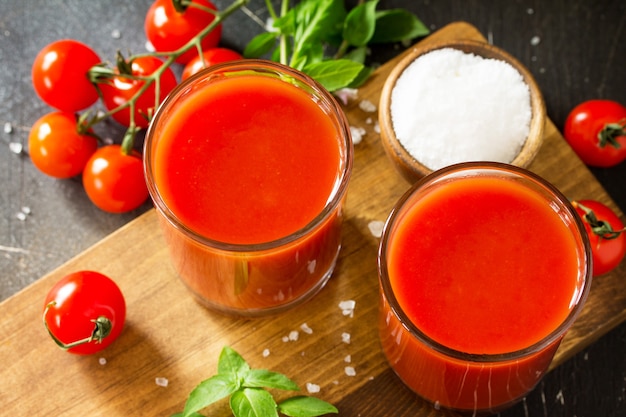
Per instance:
x=169, y=335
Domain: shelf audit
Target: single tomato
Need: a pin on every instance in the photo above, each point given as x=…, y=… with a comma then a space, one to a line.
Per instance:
x=84, y=312
x=169, y=25
x=114, y=181
x=56, y=146
x=596, y=130
x=606, y=235
x=117, y=91
x=60, y=75
x=211, y=57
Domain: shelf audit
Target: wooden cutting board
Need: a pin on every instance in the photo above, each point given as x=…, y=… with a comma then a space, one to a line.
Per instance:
x=169, y=335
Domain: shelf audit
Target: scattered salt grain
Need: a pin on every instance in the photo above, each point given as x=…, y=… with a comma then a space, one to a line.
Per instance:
x=266, y=353
x=376, y=228
x=357, y=134
x=312, y=388
x=102, y=361
x=347, y=307
x=347, y=359
x=306, y=329
x=535, y=40
x=530, y=10
x=369, y=120
x=560, y=398
x=367, y=106
x=160, y=381
x=24, y=213
x=116, y=34
x=346, y=94
x=285, y=339
x=377, y=127
x=8, y=128
x=449, y=106
x=293, y=335
x=16, y=147
x=350, y=371
x=345, y=337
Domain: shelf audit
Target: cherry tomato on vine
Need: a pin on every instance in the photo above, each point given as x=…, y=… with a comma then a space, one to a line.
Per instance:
x=57, y=148
x=59, y=75
x=596, y=130
x=84, y=312
x=211, y=57
x=114, y=181
x=170, y=25
x=606, y=234
x=118, y=90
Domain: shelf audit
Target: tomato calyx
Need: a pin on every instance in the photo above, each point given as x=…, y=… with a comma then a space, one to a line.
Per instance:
x=102, y=328
x=602, y=229
x=611, y=131
x=181, y=5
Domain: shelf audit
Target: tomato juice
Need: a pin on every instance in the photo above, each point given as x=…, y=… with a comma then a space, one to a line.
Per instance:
x=482, y=272
x=249, y=163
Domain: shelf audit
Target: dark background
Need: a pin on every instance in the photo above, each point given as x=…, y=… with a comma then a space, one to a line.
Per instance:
x=581, y=55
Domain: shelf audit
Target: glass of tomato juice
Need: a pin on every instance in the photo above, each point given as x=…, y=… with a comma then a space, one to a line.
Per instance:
x=248, y=164
x=483, y=267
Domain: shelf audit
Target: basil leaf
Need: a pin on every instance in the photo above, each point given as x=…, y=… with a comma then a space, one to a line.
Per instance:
x=357, y=55
x=334, y=74
x=302, y=406
x=232, y=364
x=260, y=45
x=286, y=24
x=253, y=402
x=309, y=54
x=360, y=24
x=258, y=378
x=208, y=392
x=315, y=20
x=361, y=78
x=397, y=25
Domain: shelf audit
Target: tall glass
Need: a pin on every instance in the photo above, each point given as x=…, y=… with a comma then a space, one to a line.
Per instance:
x=483, y=267
x=248, y=164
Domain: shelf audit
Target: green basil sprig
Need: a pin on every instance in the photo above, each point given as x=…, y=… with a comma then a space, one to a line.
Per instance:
x=247, y=390
x=302, y=35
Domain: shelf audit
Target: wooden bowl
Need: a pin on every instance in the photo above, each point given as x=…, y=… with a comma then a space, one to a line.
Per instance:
x=412, y=169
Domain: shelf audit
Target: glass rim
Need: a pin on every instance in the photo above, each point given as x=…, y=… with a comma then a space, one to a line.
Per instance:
x=263, y=68
x=408, y=325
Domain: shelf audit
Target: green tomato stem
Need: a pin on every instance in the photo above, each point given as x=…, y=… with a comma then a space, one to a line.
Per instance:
x=101, y=74
x=102, y=328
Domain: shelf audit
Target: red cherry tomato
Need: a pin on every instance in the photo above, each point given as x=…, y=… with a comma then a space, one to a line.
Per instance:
x=57, y=148
x=596, y=130
x=211, y=57
x=59, y=75
x=114, y=181
x=120, y=89
x=168, y=29
x=84, y=312
x=606, y=235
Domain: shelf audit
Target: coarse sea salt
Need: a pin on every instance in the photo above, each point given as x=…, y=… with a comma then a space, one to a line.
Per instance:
x=312, y=388
x=449, y=106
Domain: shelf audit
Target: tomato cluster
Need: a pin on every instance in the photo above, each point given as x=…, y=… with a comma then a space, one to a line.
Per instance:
x=70, y=77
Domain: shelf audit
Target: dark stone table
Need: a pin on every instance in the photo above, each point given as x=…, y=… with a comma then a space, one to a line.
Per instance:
x=576, y=49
